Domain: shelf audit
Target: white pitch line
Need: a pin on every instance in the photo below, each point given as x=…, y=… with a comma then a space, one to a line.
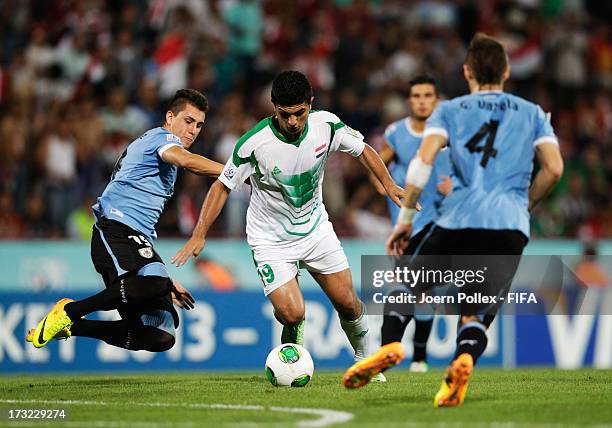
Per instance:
x=327, y=417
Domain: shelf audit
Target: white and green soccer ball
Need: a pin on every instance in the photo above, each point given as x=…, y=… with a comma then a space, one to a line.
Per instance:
x=289, y=365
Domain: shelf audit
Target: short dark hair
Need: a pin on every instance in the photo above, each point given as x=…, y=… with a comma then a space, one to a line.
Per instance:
x=487, y=59
x=291, y=88
x=422, y=79
x=191, y=96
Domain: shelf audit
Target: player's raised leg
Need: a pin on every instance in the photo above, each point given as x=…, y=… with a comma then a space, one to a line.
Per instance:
x=396, y=318
x=366, y=370
x=151, y=331
x=131, y=290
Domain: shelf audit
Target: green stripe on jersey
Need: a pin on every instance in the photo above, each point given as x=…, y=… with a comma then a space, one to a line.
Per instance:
x=281, y=137
x=334, y=127
x=236, y=158
x=298, y=189
x=316, y=223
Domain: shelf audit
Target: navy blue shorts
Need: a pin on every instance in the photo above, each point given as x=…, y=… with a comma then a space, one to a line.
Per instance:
x=118, y=251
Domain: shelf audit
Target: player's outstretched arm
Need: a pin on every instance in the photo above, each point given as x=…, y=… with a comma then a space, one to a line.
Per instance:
x=214, y=202
x=370, y=159
x=419, y=170
x=190, y=161
x=386, y=155
x=551, y=170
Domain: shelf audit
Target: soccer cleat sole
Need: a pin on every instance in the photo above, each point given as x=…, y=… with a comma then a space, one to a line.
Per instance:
x=64, y=334
x=455, y=384
x=362, y=372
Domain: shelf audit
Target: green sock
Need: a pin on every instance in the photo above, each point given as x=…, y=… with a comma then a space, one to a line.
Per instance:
x=293, y=333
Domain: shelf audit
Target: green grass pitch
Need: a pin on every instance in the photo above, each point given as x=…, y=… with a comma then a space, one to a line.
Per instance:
x=496, y=398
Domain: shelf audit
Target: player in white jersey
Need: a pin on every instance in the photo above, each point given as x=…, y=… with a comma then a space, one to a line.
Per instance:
x=284, y=157
x=493, y=138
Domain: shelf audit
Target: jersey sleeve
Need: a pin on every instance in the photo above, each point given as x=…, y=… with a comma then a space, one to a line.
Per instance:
x=437, y=123
x=390, y=136
x=324, y=116
x=238, y=168
x=346, y=139
x=544, y=132
x=165, y=142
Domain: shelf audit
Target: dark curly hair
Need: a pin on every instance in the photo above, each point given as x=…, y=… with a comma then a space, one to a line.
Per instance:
x=290, y=88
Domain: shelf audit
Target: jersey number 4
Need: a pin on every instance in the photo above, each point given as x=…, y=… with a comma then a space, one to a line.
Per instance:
x=489, y=130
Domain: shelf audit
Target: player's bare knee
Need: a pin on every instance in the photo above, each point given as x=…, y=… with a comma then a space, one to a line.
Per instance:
x=289, y=316
x=290, y=311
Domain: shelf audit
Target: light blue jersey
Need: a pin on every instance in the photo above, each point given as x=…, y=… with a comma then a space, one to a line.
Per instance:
x=405, y=142
x=492, y=137
x=141, y=183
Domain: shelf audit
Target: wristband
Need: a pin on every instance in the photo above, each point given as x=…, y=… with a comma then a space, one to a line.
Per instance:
x=418, y=172
x=405, y=215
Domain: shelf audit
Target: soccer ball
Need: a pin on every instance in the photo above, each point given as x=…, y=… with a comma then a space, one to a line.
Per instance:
x=289, y=365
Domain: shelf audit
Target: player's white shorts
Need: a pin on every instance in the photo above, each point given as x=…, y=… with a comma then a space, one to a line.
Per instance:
x=319, y=252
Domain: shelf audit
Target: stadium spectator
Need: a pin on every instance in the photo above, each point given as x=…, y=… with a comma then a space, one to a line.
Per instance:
x=11, y=225
x=81, y=220
x=244, y=21
x=126, y=64
x=58, y=158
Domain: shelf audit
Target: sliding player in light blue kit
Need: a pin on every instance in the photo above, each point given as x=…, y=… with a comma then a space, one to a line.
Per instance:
x=136, y=280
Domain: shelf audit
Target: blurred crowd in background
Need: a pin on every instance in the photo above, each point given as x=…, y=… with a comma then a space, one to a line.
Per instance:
x=80, y=79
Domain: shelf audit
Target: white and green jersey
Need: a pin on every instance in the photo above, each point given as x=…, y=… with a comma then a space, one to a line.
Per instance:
x=286, y=177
